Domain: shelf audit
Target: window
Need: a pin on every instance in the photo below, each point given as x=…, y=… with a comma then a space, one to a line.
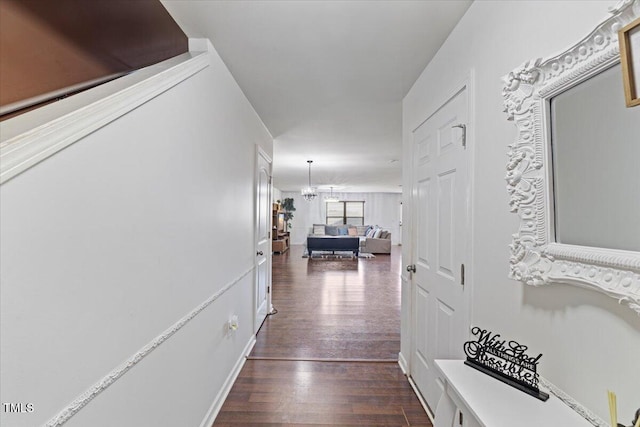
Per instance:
x=345, y=213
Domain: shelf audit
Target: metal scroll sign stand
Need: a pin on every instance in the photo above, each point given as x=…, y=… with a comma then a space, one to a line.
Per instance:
x=505, y=361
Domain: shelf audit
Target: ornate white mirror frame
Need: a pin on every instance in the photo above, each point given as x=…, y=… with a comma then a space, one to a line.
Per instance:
x=536, y=259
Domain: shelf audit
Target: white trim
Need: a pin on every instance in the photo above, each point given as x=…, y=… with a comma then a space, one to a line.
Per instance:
x=86, y=397
x=36, y=135
x=421, y=399
x=535, y=258
x=459, y=86
x=213, y=411
x=468, y=84
x=572, y=403
x=15, y=106
x=404, y=366
x=470, y=268
x=261, y=153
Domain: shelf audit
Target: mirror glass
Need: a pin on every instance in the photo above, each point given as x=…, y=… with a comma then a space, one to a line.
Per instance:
x=596, y=164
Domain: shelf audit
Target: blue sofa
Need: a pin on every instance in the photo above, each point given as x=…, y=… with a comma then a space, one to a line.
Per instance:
x=333, y=243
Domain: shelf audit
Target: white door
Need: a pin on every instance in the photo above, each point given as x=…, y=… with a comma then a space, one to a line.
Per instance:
x=440, y=235
x=263, y=238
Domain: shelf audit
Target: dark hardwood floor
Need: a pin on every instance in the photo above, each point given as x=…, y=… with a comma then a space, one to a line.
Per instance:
x=333, y=308
x=329, y=355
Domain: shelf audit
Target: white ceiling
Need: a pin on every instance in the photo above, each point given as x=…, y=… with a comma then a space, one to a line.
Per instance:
x=327, y=78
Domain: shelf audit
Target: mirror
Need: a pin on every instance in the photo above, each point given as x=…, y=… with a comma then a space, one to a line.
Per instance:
x=572, y=174
x=595, y=142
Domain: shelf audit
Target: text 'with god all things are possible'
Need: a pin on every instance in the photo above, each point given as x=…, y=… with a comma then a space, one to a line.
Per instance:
x=505, y=361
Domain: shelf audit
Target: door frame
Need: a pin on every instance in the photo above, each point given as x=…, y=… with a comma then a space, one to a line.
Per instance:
x=406, y=360
x=260, y=152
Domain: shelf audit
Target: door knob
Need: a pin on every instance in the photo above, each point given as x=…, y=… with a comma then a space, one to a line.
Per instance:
x=411, y=268
x=259, y=253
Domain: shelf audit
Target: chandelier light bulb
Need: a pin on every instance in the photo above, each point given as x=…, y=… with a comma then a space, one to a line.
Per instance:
x=331, y=198
x=309, y=193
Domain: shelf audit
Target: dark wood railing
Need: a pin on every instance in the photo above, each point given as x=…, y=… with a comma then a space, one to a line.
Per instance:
x=49, y=49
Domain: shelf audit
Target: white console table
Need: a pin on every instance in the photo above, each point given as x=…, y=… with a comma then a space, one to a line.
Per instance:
x=487, y=402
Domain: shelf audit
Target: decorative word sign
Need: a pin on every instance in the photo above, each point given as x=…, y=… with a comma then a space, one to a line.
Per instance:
x=506, y=361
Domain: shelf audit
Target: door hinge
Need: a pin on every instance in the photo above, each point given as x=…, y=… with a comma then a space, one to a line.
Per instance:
x=462, y=274
x=268, y=289
x=464, y=133
x=460, y=418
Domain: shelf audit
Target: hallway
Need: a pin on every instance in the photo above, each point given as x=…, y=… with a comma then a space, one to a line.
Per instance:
x=329, y=356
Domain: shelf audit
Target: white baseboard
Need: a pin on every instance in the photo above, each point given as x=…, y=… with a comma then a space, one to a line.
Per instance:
x=94, y=391
x=213, y=411
x=421, y=399
x=405, y=370
x=403, y=363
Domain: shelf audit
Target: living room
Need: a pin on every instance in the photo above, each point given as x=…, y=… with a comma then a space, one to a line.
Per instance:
x=380, y=209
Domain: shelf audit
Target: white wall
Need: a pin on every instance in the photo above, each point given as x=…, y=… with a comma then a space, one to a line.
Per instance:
x=381, y=209
x=110, y=242
x=589, y=342
x=277, y=195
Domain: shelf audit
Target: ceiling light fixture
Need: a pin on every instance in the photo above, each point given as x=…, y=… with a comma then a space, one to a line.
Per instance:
x=331, y=198
x=309, y=193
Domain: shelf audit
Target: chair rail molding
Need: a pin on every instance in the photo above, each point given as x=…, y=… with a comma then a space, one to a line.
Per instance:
x=536, y=259
x=93, y=392
x=572, y=403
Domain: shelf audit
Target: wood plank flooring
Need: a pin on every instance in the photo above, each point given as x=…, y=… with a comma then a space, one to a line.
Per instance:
x=329, y=356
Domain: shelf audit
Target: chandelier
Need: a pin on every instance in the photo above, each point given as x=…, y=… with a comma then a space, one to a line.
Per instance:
x=309, y=193
x=331, y=198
